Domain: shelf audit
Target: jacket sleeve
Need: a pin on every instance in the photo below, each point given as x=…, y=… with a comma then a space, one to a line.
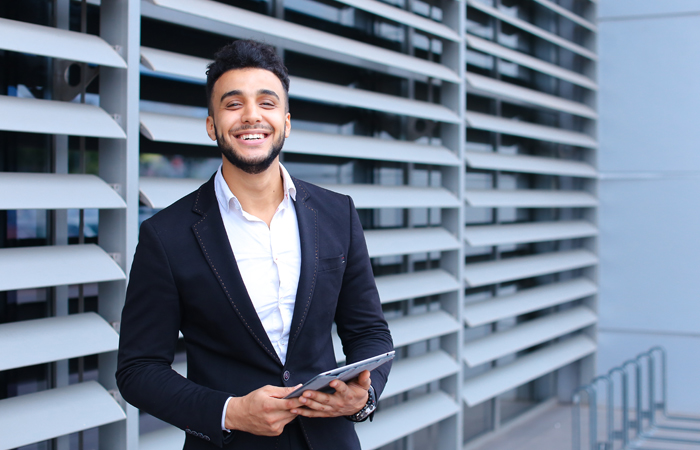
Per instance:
x=148, y=339
x=359, y=317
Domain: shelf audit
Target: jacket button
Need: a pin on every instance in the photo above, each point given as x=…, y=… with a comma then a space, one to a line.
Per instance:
x=286, y=375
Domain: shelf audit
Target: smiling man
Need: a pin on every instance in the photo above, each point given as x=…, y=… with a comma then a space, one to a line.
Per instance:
x=253, y=268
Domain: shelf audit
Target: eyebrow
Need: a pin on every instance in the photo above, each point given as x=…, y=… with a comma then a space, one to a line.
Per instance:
x=236, y=92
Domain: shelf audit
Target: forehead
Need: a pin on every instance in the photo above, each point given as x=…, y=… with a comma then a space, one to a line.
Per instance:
x=248, y=81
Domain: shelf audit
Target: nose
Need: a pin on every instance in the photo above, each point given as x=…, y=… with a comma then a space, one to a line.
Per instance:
x=251, y=114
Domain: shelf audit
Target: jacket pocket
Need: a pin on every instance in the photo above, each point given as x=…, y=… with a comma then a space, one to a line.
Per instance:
x=326, y=264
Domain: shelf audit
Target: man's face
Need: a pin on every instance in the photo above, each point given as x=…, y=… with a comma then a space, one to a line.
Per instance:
x=248, y=118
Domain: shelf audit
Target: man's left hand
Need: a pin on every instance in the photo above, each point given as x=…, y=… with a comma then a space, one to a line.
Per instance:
x=347, y=399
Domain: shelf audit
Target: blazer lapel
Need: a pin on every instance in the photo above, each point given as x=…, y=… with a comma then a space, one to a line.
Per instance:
x=213, y=240
x=307, y=218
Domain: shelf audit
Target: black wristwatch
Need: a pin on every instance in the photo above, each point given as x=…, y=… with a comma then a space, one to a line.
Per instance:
x=368, y=409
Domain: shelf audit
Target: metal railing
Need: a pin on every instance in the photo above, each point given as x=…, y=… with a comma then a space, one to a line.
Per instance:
x=645, y=419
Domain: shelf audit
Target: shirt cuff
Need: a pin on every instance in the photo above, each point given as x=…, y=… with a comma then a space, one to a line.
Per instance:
x=223, y=416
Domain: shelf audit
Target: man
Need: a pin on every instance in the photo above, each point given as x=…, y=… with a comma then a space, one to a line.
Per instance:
x=253, y=268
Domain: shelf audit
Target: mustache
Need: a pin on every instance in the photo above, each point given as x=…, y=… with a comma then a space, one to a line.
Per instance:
x=249, y=127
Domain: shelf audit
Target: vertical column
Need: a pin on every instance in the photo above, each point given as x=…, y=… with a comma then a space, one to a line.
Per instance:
x=120, y=25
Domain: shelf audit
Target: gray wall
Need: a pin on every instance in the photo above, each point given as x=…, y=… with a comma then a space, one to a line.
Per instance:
x=649, y=75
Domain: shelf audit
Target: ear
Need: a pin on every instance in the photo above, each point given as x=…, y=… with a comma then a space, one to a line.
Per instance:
x=211, y=128
x=287, y=125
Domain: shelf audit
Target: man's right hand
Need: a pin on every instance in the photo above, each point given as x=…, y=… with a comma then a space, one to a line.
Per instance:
x=263, y=412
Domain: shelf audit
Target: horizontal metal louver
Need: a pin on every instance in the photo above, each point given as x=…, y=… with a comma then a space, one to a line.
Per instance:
x=527, y=300
x=519, y=233
x=401, y=420
x=528, y=130
x=404, y=17
x=192, y=130
x=376, y=196
x=526, y=334
x=526, y=368
x=528, y=164
x=161, y=192
x=532, y=29
x=530, y=62
x=33, y=267
x=39, y=341
x=193, y=68
x=568, y=14
x=492, y=272
x=415, y=284
x=57, y=191
x=243, y=23
x=409, y=240
x=410, y=373
x=41, y=40
x=409, y=329
x=167, y=438
x=529, y=199
x=29, y=115
x=491, y=87
x=56, y=412
x=180, y=368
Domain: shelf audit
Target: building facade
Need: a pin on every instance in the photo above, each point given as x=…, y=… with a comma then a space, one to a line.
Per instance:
x=465, y=131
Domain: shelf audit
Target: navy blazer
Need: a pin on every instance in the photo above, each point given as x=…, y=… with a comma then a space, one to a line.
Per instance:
x=184, y=278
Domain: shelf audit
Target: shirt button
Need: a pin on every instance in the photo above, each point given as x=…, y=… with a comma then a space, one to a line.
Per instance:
x=286, y=375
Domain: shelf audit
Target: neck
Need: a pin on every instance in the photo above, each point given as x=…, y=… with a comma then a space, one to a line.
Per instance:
x=259, y=194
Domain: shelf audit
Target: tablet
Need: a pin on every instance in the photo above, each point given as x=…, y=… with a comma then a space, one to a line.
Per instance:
x=346, y=373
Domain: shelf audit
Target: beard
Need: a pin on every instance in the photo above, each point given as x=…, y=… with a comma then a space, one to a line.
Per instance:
x=252, y=166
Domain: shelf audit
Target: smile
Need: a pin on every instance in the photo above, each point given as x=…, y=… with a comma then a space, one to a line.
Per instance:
x=252, y=136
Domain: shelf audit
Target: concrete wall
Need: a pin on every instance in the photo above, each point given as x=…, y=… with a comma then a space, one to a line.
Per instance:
x=649, y=75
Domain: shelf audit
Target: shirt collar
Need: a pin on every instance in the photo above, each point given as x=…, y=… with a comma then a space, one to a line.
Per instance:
x=225, y=197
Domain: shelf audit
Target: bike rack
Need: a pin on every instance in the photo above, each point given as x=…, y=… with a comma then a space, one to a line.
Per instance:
x=630, y=377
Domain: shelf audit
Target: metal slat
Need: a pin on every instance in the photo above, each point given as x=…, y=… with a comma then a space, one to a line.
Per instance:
x=421, y=327
x=529, y=61
x=158, y=193
x=508, y=91
x=409, y=240
x=39, y=341
x=33, y=267
x=409, y=373
x=193, y=68
x=529, y=199
x=528, y=164
x=340, y=95
x=377, y=196
x=404, y=17
x=167, y=438
x=409, y=329
x=57, y=191
x=568, y=14
x=534, y=30
x=41, y=40
x=524, y=369
x=29, y=115
x=45, y=415
x=519, y=233
x=528, y=130
x=180, y=368
x=401, y=420
x=526, y=335
x=492, y=272
x=526, y=301
x=241, y=23
x=191, y=130
x=397, y=287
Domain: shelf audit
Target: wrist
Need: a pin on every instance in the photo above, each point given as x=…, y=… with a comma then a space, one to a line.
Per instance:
x=367, y=410
x=233, y=407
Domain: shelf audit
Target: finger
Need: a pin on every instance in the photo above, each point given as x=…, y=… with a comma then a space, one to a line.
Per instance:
x=319, y=397
x=281, y=392
x=340, y=387
x=316, y=406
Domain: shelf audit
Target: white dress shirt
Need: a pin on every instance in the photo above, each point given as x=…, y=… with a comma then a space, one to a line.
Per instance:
x=269, y=260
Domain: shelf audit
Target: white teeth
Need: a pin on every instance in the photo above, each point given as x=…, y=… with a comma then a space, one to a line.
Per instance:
x=250, y=137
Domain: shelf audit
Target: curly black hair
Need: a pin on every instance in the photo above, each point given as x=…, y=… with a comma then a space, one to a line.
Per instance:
x=244, y=54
